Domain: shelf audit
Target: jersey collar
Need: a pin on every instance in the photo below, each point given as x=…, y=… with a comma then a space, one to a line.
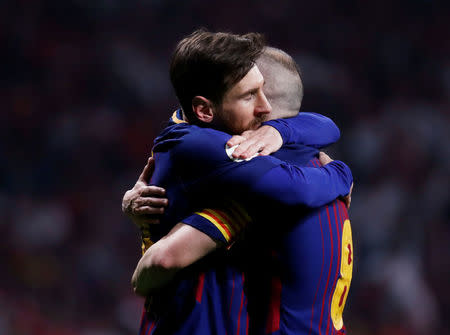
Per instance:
x=177, y=117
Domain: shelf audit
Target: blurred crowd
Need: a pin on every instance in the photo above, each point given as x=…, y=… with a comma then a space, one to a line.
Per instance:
x=84, y=90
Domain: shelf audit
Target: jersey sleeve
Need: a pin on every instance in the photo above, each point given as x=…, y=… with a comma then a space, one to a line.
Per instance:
x=310, y=129
x=202, y=160
x=223, y=224
x=308, y=186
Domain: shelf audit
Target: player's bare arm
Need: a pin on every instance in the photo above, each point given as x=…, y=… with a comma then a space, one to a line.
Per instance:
x=181, y=247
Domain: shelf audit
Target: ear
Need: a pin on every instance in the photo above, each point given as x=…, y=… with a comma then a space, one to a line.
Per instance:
x=203, y=109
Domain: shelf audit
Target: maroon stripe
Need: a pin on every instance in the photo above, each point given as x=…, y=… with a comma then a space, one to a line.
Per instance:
x=240, y=308
x=329, y=270
x=246, y=317
x=273, y=320
x=344, y=211
x=341, y=213
x=143, y=321
x=342, y=296
x=151, y=328
x=201, y=282
x=320, y=278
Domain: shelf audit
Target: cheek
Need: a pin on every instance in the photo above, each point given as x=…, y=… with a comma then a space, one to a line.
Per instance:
x=246, y=109
x=239, y=111
x=240, y=116
x=245, y=117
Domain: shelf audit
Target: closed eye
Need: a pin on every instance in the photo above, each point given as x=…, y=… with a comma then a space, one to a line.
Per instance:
x=250, y=95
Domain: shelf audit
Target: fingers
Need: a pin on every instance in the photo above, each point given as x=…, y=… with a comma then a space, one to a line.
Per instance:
x=126, y=201
x=264, y=141
x=148, y=210
x=148, y=205
x=348, y=198
x=152, y=191
x=235, y=140
x=147, y=172
x=143, y=195
x=324, y=158
x=150, y=201
x=266, y=151
x=151, y=163
x=248, y=148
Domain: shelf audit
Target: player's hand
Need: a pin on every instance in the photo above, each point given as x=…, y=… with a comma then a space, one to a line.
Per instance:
x=324, y=160
x=262, y=141
x=144, y=204
x=348, y=198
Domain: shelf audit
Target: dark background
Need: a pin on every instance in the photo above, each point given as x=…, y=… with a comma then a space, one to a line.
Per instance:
x=84, y=89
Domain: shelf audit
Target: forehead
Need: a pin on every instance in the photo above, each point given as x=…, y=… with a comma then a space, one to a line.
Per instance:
x=252, y=80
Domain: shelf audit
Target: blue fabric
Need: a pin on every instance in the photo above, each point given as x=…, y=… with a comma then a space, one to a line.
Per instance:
x=310, y=129
x=193, y=167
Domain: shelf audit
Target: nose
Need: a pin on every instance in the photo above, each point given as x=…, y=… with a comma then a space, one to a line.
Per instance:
x=263, y=106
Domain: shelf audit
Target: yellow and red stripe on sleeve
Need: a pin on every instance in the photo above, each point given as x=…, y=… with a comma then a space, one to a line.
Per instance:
x=229, y=221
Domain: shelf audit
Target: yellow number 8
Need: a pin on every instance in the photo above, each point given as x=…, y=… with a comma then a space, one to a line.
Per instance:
x=343, y=283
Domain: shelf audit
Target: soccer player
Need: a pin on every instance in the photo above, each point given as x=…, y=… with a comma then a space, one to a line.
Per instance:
x=192, y=158
x=311, y=299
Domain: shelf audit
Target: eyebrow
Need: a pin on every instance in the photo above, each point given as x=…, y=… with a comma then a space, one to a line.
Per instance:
x=251, y=90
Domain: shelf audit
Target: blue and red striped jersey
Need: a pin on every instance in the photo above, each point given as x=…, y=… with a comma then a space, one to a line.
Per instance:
x=299, y=262
x=310, y=272
x=193, y=167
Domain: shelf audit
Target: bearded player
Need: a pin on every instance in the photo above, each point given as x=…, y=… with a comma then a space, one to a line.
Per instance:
x=290, y=199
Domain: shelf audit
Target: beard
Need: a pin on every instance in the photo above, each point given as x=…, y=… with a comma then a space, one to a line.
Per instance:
x=256, y=122
x=224, y=121
x=238, y=129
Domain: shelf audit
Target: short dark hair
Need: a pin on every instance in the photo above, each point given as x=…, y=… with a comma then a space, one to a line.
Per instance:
x=208, y=64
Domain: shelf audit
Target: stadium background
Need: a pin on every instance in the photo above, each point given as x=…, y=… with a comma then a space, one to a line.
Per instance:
x=84, y=90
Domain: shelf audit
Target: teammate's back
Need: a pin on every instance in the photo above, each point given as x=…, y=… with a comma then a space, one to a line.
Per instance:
x=309, y=260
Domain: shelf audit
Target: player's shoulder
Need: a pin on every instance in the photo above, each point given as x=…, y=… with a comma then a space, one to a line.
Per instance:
x=202, y=143
x=205, y=137
x=183, y=139
x=170, y=137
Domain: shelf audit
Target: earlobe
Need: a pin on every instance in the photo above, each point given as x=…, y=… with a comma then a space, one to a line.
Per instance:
x=203, y=109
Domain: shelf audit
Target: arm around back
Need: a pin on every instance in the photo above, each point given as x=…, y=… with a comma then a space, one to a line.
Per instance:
x=310, y=129
x=202, y=160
